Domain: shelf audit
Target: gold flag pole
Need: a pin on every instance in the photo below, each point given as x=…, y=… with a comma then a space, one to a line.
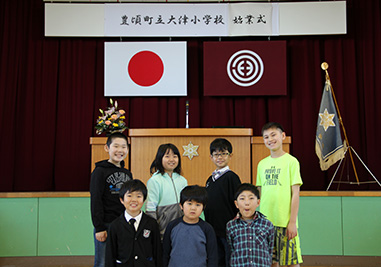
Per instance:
x=324, y=66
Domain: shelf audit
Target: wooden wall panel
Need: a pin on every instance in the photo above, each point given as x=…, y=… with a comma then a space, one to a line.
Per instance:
x=145, y=142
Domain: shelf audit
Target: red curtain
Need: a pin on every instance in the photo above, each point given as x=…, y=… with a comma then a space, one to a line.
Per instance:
x=51, y=90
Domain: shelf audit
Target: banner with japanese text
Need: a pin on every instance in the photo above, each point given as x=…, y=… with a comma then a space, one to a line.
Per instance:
x=253, y=19
x=201, y=19
x=245, y=68
x=166, y=20
x=220, y=19
x=145, y=69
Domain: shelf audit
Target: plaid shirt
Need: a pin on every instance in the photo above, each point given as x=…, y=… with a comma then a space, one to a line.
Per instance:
x=251, y=244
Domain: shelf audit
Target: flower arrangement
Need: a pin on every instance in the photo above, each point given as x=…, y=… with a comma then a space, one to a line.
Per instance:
x=111, y=119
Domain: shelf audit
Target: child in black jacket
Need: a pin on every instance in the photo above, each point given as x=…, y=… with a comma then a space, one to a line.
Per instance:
x=106, y=181
x=134, y=237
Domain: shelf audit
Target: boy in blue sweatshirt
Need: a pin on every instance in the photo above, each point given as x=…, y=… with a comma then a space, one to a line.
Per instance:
x=189, y=241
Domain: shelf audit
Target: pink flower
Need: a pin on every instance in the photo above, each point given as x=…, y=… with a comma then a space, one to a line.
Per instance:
x=121, y=112
x=107, y=122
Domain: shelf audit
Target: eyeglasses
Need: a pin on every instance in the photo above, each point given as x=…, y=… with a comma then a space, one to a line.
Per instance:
x=223, y=154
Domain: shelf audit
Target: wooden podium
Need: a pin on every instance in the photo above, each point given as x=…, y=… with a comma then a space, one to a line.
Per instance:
x=196, y=169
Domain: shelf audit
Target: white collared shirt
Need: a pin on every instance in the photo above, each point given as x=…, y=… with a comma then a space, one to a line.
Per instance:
x=137, y=218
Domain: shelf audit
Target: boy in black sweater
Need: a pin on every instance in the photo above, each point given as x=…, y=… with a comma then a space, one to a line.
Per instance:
x=221, y=187
x=106, y=181
x=134, y=237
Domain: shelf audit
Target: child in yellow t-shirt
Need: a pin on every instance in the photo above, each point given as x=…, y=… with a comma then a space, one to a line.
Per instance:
x=279, y=180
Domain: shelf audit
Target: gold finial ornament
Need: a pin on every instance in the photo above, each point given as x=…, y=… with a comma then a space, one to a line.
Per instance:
x=324, y=65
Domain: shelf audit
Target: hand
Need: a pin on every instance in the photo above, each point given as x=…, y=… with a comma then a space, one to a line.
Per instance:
x=291, y=231
x=101, y=236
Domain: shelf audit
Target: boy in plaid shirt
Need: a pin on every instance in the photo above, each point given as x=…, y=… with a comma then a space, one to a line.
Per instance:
x=250, y=235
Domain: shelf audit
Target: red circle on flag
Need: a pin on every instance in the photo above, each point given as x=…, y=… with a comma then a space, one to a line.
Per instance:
x=145, y=68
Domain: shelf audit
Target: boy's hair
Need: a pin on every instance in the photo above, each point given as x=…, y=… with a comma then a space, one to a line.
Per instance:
x=220, y=144
x=157, y=164
x=195, y=193
x=134, y=185
x=247, y=187
x=113, y=136
x=272, y=125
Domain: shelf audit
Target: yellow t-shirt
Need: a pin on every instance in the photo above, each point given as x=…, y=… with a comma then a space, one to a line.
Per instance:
x=276, y=176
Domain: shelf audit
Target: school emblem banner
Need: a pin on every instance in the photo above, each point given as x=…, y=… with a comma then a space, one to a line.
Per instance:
x=245, y=68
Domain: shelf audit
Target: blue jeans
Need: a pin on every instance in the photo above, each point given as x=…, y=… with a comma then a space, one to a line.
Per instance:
x=223, y=252
x=100, y=253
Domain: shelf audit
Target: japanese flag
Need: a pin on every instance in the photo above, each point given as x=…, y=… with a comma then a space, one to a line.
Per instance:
x=145, y=69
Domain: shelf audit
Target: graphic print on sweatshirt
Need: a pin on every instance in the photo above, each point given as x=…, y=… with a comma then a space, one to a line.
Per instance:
x=116, y=180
